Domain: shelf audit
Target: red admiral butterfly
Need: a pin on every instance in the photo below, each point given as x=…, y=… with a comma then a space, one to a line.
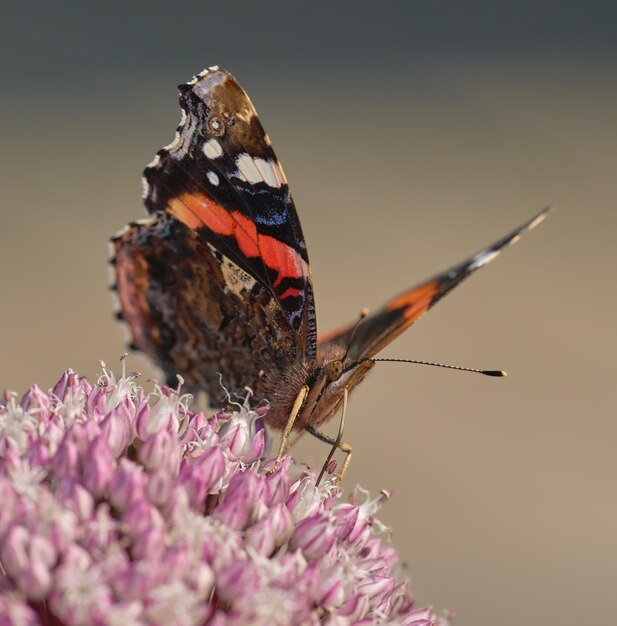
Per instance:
x=217, y=279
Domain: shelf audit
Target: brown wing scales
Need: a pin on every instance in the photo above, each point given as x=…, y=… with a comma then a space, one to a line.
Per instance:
x=186, y=307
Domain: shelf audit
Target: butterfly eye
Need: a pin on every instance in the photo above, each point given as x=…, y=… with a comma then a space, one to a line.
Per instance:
x=334, y=370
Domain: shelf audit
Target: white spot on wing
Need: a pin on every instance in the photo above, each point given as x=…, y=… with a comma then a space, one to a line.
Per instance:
x=213, y=178
x=482, y=258
x=212, y=149
x=257, y=170
x=246, y=167
x=266, y=169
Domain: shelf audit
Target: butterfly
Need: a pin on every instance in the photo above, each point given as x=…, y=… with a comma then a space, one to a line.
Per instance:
x=217, y=279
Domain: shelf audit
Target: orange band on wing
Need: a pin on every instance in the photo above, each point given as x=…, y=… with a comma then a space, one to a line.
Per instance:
x=246, y=235
x=417, y=301
x=281, y=257
x=197, y=210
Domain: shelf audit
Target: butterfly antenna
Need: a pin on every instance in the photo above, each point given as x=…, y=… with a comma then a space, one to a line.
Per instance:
x=363, y=315
x=494, y=373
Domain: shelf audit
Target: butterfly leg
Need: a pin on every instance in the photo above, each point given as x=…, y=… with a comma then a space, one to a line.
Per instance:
x=295, y=409
x=336, y=443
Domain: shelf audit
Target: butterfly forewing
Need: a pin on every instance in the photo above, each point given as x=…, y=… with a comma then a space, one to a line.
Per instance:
x=221, y=178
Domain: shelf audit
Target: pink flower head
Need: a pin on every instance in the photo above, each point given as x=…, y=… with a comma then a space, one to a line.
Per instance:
x=121, y=507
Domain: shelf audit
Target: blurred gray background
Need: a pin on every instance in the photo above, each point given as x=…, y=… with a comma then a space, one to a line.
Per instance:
x=413, y=133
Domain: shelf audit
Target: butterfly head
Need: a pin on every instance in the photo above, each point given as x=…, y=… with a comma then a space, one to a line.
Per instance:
x=332, y=375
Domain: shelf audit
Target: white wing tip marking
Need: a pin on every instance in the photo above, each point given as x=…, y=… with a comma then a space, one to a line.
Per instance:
x=538, y=218
x=482, y=258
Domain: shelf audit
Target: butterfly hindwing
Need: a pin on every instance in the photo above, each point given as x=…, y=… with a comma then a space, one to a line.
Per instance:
x=194, y=312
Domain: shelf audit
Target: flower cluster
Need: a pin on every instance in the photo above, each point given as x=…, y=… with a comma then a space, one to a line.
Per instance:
x=121, y=508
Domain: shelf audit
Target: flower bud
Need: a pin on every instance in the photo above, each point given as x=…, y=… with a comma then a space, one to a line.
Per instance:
x=278, y=483
x=59, y=389
x=14, y=553
x=160, y=450
x=354, y=608
x=237, y=579
x=233, y=513
x=314, y=535
x=127, y=486
x=332, y=593
x=142, y=517
x=271, y=531
x=377, y=589
x=96, y=401
x=66, y=459
x=149, y=544
x=345, y=518
x=35, y=402
x=117, y=430
x=76, y=499
x=159, y=487
x=204, y=475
